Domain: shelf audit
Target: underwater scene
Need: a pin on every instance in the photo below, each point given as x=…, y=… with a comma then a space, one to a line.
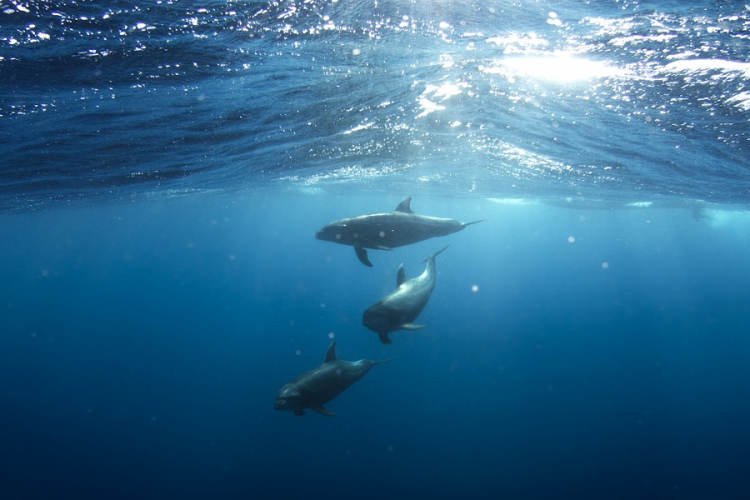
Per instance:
x=368, y=249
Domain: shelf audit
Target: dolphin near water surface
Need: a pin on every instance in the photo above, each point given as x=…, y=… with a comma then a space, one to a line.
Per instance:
x=320, y=385
x=387, y=231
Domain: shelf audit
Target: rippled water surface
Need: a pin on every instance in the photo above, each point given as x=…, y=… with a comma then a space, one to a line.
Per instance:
x=596, y=100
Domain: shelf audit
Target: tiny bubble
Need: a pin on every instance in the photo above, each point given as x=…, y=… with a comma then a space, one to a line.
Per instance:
x=474, y=288
x=331, y=335
x=571, y=239
x=297, y=352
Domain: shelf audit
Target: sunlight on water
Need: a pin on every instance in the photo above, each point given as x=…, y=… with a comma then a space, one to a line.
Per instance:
x=702, y=66
x=497, y=95
x=559, y=67
x=741, y=100
x=438, y=92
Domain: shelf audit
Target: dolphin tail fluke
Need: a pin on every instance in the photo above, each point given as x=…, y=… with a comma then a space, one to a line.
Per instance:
x=323, y=411
x=381, y=361
x=384, y=338
x=362, y=256
x=436, y=253
x=472, y=222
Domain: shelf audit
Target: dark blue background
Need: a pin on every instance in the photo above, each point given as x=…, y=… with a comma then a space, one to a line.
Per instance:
x=142, y=346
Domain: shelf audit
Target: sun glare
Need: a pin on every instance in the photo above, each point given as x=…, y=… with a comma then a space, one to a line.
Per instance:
x=560, y=67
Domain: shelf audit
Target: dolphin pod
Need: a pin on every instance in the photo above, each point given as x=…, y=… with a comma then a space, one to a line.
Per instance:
x=396, y=311
x=387, y=231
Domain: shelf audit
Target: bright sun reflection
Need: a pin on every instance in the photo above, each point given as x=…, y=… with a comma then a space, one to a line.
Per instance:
x=558, y=67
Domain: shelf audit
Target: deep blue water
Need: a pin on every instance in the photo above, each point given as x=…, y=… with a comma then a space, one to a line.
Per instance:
x=165, y=165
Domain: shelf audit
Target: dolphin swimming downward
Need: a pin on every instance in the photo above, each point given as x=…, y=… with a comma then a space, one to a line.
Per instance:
x=320, y=385
x=397, y=310
x=387, y=231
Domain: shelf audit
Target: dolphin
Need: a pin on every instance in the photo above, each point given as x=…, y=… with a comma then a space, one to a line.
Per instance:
x=387, y=231
x=320, y=385
x=397, y=310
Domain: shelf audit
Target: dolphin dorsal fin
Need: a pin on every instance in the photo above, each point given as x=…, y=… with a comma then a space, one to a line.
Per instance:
x=401, y=276
x=404, y=206
x=331, y=354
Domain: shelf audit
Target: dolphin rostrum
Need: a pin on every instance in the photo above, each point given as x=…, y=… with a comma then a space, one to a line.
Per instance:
x=320, y=385
x=387, y=231
x=397, y=310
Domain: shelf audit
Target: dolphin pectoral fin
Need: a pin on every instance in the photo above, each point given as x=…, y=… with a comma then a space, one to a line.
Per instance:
x=323, y=411
x=362, y=256
x=412, y=326
x=299, y=413
x=401, y=277
x=384, y=338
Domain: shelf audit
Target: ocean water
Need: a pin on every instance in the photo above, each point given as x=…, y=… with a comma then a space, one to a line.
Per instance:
x=164, y=167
